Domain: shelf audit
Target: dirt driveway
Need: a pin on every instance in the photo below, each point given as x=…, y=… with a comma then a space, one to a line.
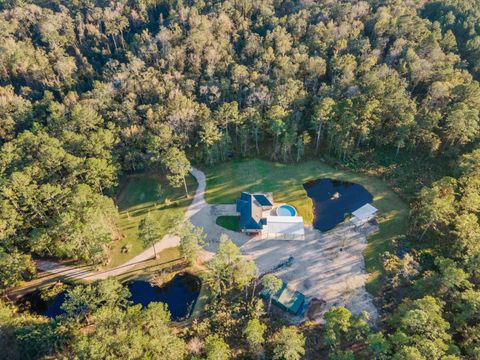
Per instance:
x=328, y=266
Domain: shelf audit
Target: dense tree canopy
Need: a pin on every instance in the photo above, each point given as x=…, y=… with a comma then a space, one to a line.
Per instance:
x=90, y=90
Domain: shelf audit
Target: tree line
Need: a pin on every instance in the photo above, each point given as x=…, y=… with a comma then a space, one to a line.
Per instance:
x=93, y=89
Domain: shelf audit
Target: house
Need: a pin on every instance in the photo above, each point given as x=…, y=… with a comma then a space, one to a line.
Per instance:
x=258, y=216
x=254, y=210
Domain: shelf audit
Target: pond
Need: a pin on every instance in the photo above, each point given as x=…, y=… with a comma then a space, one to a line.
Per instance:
x=332, y=199
x=50, y=308
x=180, y=294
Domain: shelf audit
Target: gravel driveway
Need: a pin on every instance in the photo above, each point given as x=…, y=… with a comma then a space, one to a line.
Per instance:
x=328, y=266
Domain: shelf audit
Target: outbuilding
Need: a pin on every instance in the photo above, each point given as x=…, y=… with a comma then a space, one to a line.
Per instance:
x=285, y=228
x=364, y=214
x=286, y=299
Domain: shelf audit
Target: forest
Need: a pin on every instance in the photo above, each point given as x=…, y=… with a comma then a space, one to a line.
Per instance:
x=91, y=90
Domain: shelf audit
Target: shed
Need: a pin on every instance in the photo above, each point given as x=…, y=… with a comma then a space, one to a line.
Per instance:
x=364, y=214
x=286, y=298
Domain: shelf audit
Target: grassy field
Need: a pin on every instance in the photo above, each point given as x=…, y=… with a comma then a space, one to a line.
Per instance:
x=228, y=222
x=225, y=182
x=138, y=195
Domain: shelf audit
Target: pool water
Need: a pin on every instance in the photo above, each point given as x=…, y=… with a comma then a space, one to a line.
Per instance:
x=286, y=210
x=332, y=199
x=180, y=294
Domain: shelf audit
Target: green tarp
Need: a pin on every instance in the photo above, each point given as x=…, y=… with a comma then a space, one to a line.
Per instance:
x=286, y=298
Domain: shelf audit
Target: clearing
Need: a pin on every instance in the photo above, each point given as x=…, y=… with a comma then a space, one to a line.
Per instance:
x=226, y=181
x=138, y=195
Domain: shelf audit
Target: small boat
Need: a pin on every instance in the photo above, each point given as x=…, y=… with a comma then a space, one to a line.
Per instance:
x=335, y=196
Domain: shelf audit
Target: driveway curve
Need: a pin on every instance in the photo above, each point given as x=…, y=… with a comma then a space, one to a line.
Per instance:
x=199, y=213
x=195, y=211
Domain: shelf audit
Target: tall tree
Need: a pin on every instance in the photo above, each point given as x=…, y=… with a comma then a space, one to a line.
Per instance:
x=191, y=240
x=337, y=325
x=14, y=268
x=321, y=112
x=130, y=333
x=288, y=344
x=272, y=285
x=223, y=266
x=255, y=335
x=178, y=167
x=150, y=231
x=436, y=205
x=216, y=348
x=246, y=271
x=83, y=300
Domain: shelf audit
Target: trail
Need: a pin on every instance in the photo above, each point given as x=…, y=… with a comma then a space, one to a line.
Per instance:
x=85, y=273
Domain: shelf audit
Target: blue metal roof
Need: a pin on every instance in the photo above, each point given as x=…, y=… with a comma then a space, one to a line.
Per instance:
x=263, y=200
x=250, y=210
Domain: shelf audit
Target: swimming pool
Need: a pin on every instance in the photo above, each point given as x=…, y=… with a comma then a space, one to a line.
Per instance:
x=286, y=210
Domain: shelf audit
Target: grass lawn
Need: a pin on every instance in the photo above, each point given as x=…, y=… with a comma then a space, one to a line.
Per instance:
x=138, y=195
x=169, y=259
x=228, y=222
x=226, y=181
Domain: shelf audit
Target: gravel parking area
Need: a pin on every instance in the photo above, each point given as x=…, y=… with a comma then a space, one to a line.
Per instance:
x=328, y=266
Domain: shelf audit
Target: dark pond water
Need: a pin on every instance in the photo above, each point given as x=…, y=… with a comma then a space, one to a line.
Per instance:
x=180, y=294
x=332, y=199
x=50, y=308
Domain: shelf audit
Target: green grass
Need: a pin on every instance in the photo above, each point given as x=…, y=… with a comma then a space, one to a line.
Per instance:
x=168, y=260
x=228, y=222
x=203, y=297
x=226, y=181
x=139, y=195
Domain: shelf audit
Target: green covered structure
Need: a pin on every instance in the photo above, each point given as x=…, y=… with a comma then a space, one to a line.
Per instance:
x=286, y=299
